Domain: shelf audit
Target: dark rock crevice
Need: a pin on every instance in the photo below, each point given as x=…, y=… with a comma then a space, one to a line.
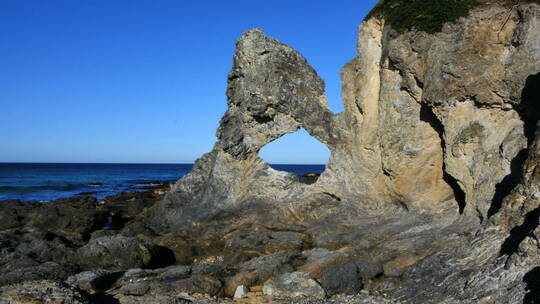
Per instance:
x=509, y=182
x=427, y=115
x=519, y=233
x=529, y=112
x=532, y=279
x=529, y=108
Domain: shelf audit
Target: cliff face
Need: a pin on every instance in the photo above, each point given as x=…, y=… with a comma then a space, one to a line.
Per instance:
x=436, y=138
x=433, y=123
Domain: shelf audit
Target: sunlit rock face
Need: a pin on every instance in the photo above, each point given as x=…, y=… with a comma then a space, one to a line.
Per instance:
x=433, y=123
x=433, y=161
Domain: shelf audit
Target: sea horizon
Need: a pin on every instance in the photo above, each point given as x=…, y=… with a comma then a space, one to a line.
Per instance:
x=143, y=163
x=49, y=181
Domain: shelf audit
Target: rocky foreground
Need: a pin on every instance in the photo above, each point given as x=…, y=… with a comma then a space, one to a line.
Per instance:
x=82, y=250
x=431, y=194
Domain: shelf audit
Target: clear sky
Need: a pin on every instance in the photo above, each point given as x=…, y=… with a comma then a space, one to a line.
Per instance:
x=144, y=80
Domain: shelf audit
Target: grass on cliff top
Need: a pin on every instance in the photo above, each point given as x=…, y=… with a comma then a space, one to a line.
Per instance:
x=425, y=15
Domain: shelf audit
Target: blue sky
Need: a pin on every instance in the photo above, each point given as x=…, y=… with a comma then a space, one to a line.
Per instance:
x=144, y=80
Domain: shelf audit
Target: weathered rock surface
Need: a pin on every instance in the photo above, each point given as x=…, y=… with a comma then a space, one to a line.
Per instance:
x=93, y=280
x=432, y=174
x=431, y=193
x=120, y=252
x=31, y=255
x=43, y=292
x=294, y=285
x=258, y=270
x=368, y=270
x=342, y=279
x=73, y=218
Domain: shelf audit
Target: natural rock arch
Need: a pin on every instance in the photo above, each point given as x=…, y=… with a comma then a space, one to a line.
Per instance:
x=295, y=148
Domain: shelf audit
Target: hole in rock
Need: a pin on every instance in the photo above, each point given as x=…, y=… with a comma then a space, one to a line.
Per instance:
x=297, y=153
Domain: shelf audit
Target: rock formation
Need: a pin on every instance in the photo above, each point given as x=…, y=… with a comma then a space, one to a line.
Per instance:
x=431, y=193
x=426, y=160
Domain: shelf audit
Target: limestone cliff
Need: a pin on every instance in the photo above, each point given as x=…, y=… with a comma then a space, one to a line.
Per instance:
x=437, y=137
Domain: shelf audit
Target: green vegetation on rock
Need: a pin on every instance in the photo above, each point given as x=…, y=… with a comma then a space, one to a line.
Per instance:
x=427, y=15
x=424, y=15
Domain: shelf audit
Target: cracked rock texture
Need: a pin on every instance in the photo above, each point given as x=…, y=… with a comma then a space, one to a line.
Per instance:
x=431, y=193
x=433, y=123
x=432, y=175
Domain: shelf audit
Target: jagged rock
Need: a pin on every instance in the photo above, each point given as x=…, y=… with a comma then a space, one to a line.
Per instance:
x=43, y=292
x=294, y=285
x=13, y=213
x=72, y=218
x=434, y=135
x=32, y=255
x=120, y=253
x=437, y=137
x=341, y=279
x=417, y=132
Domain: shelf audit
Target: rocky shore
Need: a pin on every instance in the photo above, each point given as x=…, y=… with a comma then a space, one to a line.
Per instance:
x=81, y=250
x=431, y=194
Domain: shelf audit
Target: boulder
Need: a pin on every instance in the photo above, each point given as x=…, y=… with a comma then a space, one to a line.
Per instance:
x=294, y=285
x=341, y=279
x=120, y=252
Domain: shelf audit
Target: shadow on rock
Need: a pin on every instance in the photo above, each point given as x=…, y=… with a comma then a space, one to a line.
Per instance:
x=106, y=281
x=103, y=298
x=509, y=182
x=532, y=279
x=164, y=257
x=518, y=233
x=529, y=111
x=529, y=108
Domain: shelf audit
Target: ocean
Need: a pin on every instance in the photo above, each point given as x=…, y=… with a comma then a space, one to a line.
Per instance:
x=46, y=182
